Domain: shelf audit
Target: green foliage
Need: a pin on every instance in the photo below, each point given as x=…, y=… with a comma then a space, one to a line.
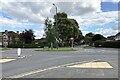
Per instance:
x=88, y=38
x=20, y=45
x=98, y=43
x=66, y=27
x=107, y=44
x=27, y=36
x=50, y=32
x=14, y=45
x=98, y=37
x=89, y=34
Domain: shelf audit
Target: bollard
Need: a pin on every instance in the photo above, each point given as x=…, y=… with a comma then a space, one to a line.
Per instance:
x=19, y=52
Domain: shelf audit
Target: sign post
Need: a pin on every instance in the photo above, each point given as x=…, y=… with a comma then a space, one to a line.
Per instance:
x=72, y=41
x=19, y=52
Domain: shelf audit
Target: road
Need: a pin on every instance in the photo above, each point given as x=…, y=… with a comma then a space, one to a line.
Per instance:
x=38, y=64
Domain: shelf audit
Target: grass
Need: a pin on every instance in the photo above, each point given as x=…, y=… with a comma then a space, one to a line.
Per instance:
x=88, y=47
x=4, y=48
x=57, y=50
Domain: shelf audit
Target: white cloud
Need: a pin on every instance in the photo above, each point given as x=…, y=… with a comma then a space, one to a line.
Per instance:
x=100, y=18
x=86, y=12
x=106, y=32
x=39, y=34
x=97, y=19
x=85, y=32
x=37, y=11
x=12, y=23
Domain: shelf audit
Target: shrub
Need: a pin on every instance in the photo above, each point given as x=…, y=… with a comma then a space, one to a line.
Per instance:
x=107, y=44
x=14, y=45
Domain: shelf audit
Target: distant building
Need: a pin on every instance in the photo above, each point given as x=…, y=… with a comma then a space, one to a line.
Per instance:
x=117, y=36
x=9, y=37
x=5, y=38
x=110, y=38
x=0, y=39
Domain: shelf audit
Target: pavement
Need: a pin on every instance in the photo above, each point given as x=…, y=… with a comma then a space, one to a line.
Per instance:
x=38, y=64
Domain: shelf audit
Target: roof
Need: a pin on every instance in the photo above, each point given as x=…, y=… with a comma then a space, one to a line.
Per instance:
x=118, y=34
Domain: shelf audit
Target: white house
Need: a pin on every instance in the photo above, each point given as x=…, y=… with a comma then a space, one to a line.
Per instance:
x=117, y=36
x=0, y=39
x=5, y=39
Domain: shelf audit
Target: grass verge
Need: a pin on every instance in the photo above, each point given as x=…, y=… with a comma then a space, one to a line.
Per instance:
x=4, y=48
x=88, y=47
x=57, y=50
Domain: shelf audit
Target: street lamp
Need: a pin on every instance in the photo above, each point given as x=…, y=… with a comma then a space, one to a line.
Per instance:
x=56, y=26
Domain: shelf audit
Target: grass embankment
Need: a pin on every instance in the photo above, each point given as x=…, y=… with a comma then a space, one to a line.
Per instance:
x=57, y=50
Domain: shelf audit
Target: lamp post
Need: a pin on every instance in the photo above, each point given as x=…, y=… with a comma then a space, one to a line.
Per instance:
x=56, y=27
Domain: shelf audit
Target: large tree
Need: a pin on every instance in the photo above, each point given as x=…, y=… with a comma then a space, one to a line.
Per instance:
x=98, y=37
x=27, y=36
x=88, y=38
x=50, y=32
x=66, y=27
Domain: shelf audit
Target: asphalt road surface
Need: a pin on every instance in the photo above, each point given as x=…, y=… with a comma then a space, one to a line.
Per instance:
x=38, y=64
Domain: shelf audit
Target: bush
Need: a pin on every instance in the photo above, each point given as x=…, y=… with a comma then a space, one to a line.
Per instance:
x=98, y=43
x=107, y=44
x=20, y=45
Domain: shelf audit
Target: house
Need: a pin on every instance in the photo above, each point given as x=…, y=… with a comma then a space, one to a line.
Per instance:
x=110, y=38
x=9, y=37
x=0, y=39
x=5, y=38
x=117, y=36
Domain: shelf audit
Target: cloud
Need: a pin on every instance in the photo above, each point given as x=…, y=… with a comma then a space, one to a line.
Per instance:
x=39, y=33
x=100, y=18
x=106, y=31
x=12, y=23
x=85, y=32
x=87, y=13
x=110, y=0
x=37, y=11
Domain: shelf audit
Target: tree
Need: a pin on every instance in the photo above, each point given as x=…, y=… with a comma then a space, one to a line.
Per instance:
x=79, y=38
x=98, y=37
x=88, y=38
x=27, y=36
x=50, y=32
x=66, y=27
x=89, y=34
x=12, y=35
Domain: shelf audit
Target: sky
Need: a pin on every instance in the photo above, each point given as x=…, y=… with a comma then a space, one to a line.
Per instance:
x=96, y=16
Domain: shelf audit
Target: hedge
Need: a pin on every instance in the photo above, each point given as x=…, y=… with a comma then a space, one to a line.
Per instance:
x=107, y=44
x=13, y=45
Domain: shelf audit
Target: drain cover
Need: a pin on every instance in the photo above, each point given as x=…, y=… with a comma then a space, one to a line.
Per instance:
x=95, y=64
